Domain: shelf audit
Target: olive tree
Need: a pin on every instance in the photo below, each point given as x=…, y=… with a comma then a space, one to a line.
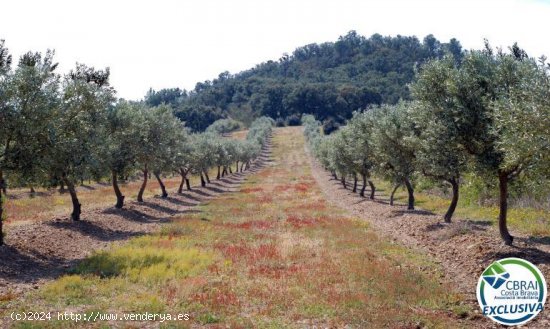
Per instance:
x=77, y=138
x=499, y=103
x=392, y=134
x=124, y=124
x=6, y=132
x=520, y=124
x=441, y=129
x=159, y=144
x=362, y=150
x=202, y=156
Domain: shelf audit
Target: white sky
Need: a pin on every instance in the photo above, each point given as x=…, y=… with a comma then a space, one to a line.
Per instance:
x=170, y=43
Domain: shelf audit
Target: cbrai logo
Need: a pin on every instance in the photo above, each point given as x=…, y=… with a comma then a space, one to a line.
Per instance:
x=511, y=291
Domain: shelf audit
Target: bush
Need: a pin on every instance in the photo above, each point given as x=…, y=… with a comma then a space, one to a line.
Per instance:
x=293, y=120
x=223, y=126
x=280, y=122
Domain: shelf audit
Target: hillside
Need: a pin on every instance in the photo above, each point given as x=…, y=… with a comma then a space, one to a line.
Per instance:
x=329, y=80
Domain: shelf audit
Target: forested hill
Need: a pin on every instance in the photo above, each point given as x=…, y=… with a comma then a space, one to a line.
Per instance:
x=329, y=80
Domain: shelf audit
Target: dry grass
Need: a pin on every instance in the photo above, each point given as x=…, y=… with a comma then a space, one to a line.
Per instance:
x=275, y=255
x=50, y=204
x=241, y=134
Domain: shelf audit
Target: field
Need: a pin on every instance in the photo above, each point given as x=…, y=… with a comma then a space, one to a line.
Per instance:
x=275, y=254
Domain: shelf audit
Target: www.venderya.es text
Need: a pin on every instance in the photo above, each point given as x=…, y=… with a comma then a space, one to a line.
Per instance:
x=98, y=316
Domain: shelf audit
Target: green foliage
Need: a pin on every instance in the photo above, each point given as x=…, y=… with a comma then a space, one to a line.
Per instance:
x=520, y=115
x=440, y=126
x=77, y=128
x=198, y=117
x=259, y=130
x=5, y=58
x=329, y=80
x=393, y=141
x=224, y=126
x=125, y=124
x=167, y=96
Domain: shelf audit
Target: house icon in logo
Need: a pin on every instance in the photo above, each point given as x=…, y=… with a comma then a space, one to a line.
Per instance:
x=495, y=275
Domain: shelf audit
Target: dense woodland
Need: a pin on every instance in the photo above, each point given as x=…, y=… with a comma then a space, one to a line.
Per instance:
x=329, y=80
x=486, y=115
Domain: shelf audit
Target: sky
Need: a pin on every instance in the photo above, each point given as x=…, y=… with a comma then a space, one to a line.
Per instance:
x=169, y=43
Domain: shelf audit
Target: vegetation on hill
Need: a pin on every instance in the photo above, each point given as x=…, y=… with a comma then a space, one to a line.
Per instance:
x=329, y=80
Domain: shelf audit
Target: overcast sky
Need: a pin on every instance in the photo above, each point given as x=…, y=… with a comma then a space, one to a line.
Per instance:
x=170, y=43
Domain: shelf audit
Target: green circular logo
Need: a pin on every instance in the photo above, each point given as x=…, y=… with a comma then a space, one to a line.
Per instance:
x=511, y=291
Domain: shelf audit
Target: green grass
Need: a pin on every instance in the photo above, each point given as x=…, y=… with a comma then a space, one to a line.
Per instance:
x=533, y=222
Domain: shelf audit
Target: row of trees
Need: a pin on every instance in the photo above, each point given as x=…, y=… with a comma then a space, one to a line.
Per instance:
x=487, y=114
x=60, y=130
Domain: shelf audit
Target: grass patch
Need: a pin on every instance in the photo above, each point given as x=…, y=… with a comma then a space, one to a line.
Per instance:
x=534, y=222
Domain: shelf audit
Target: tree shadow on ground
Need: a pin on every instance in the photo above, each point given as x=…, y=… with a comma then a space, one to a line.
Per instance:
x=534, y=255
x=158, y=207
x=202, y=193
x=181, y=202
x=215, y=189
x=401, y=212
x=133, y=214
x=538, y=239
x=94, y=231
x=191, y=197
x=18, y=267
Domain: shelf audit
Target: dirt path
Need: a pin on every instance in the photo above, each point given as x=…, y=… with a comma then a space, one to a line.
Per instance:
x=41, y=251
x=464, y=248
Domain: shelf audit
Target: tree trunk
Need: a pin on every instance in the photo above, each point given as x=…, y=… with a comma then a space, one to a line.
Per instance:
x=32, y=190
x=372, y=189
x=75, y=215
x=203, y=183
x=354, y=183
x=343, y=180
x=410, y=190
x=164, y=194
x=206, y=175
x=183, y=177
x=219, y=173
x=230, y=171
x=61, y=187
x=236, y=167
x=503, y=202
x=242, y=166
x=393, y=193
x=143, y=185
x=2, y=185
x=187, y=184
x=364, y=178
x=454, y=201
x=334, y=174
x=119, y=196
x=224, y=171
